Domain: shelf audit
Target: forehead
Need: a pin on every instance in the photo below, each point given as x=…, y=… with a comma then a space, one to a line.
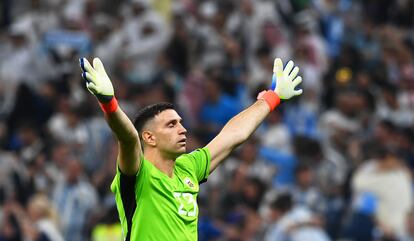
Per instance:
x=166, y=116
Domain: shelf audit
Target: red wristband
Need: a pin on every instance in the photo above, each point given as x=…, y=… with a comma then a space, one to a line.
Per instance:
x=109, y=107
x=270, y=97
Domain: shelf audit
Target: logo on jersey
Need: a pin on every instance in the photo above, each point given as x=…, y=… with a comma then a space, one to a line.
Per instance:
x=189, y=182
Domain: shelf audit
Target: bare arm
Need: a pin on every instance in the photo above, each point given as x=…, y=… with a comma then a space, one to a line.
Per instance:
x=99, y=84
x=130, y=152
x=236, y=131
x=240, y=127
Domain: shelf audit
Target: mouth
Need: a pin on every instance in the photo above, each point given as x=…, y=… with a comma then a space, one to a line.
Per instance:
x=182, y=141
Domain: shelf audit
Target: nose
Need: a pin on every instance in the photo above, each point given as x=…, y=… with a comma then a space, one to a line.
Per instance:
x=182, y=129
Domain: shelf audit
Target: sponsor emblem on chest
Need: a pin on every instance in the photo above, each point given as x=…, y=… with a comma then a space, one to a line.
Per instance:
x=188, y=182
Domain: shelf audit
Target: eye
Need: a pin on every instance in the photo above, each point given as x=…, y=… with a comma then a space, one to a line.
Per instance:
x=171, y=125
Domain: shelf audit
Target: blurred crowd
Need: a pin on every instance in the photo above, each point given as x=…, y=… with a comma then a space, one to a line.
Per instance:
x=334, y=164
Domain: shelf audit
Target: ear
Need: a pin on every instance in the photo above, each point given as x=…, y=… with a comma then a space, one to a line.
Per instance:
x=149, y=138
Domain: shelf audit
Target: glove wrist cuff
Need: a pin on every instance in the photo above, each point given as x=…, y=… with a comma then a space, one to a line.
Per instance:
x=109, y=107
x=271, y=98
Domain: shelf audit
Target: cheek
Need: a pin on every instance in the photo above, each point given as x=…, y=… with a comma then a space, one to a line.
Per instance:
x=165, y=137
x=168, y=139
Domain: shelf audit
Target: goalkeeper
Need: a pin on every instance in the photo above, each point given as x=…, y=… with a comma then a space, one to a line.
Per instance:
x=157, y=183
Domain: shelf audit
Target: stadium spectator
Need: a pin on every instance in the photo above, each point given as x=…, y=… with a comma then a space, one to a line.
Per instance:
x=73, y=193
x=389, y=183
x=293, y=223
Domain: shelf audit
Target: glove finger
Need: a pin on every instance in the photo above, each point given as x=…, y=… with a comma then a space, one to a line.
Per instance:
x=88, y=77
x=273, y=85
x=278, y=67
x=298, y=92
x=289, y=67
x=98, y=65
x=297, y=81
x=86, y=66
x=91, y=87
x=294, y=73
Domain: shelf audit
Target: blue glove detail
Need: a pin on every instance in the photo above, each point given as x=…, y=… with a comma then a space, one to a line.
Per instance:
x=273, y=86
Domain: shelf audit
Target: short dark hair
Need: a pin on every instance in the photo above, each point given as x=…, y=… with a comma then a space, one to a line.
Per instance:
x=149, y=112
x=302, y=167
x=283, y=202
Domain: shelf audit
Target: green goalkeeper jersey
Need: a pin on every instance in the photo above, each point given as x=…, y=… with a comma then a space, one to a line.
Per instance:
x=153, y=206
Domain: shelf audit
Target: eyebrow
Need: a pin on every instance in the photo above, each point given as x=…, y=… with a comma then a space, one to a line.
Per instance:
x=180, y=120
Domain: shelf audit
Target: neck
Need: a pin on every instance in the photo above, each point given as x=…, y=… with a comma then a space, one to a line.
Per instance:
x=164, y=163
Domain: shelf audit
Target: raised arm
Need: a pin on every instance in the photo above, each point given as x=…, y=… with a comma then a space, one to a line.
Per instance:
x=240, y=127
x=99, y=84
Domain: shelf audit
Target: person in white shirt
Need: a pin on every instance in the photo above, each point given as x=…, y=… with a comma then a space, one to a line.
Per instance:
x=294, y=223
x=45, y=217
x=390, y=182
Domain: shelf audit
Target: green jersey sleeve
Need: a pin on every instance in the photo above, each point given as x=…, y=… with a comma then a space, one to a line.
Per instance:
x=199, y=161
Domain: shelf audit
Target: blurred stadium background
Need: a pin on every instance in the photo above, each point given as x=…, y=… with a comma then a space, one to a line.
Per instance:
x=334, y=164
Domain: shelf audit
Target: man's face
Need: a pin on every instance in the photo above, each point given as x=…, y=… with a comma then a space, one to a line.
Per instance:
x=169, y=133
x=73, y=171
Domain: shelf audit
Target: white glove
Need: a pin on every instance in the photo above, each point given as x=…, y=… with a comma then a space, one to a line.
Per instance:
x=284, y=81
x=97, y=81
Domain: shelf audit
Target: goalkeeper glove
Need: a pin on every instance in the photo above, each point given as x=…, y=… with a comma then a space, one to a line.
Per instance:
x=283, y=85
x=284, y=81
x=99, y=84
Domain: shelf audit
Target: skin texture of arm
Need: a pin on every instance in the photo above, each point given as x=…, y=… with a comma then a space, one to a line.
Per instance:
x=236, y=131
x=240, y=127
x=130, y=152
x=99, y=84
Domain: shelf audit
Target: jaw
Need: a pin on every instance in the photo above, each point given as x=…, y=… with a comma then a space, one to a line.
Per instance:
x=173, y=154
x=179, y=151
x=179, y=148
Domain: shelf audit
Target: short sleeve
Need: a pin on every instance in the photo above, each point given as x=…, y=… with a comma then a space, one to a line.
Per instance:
x=201, y=160
x=115, y=185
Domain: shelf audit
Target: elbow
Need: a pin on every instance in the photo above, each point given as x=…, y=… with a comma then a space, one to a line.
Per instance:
x=130, y=139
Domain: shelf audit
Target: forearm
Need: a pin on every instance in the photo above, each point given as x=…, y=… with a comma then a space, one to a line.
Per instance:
x=122, y=127
x=128, y=141
x=236, y=131
x=241, y=126
x=99, y=84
